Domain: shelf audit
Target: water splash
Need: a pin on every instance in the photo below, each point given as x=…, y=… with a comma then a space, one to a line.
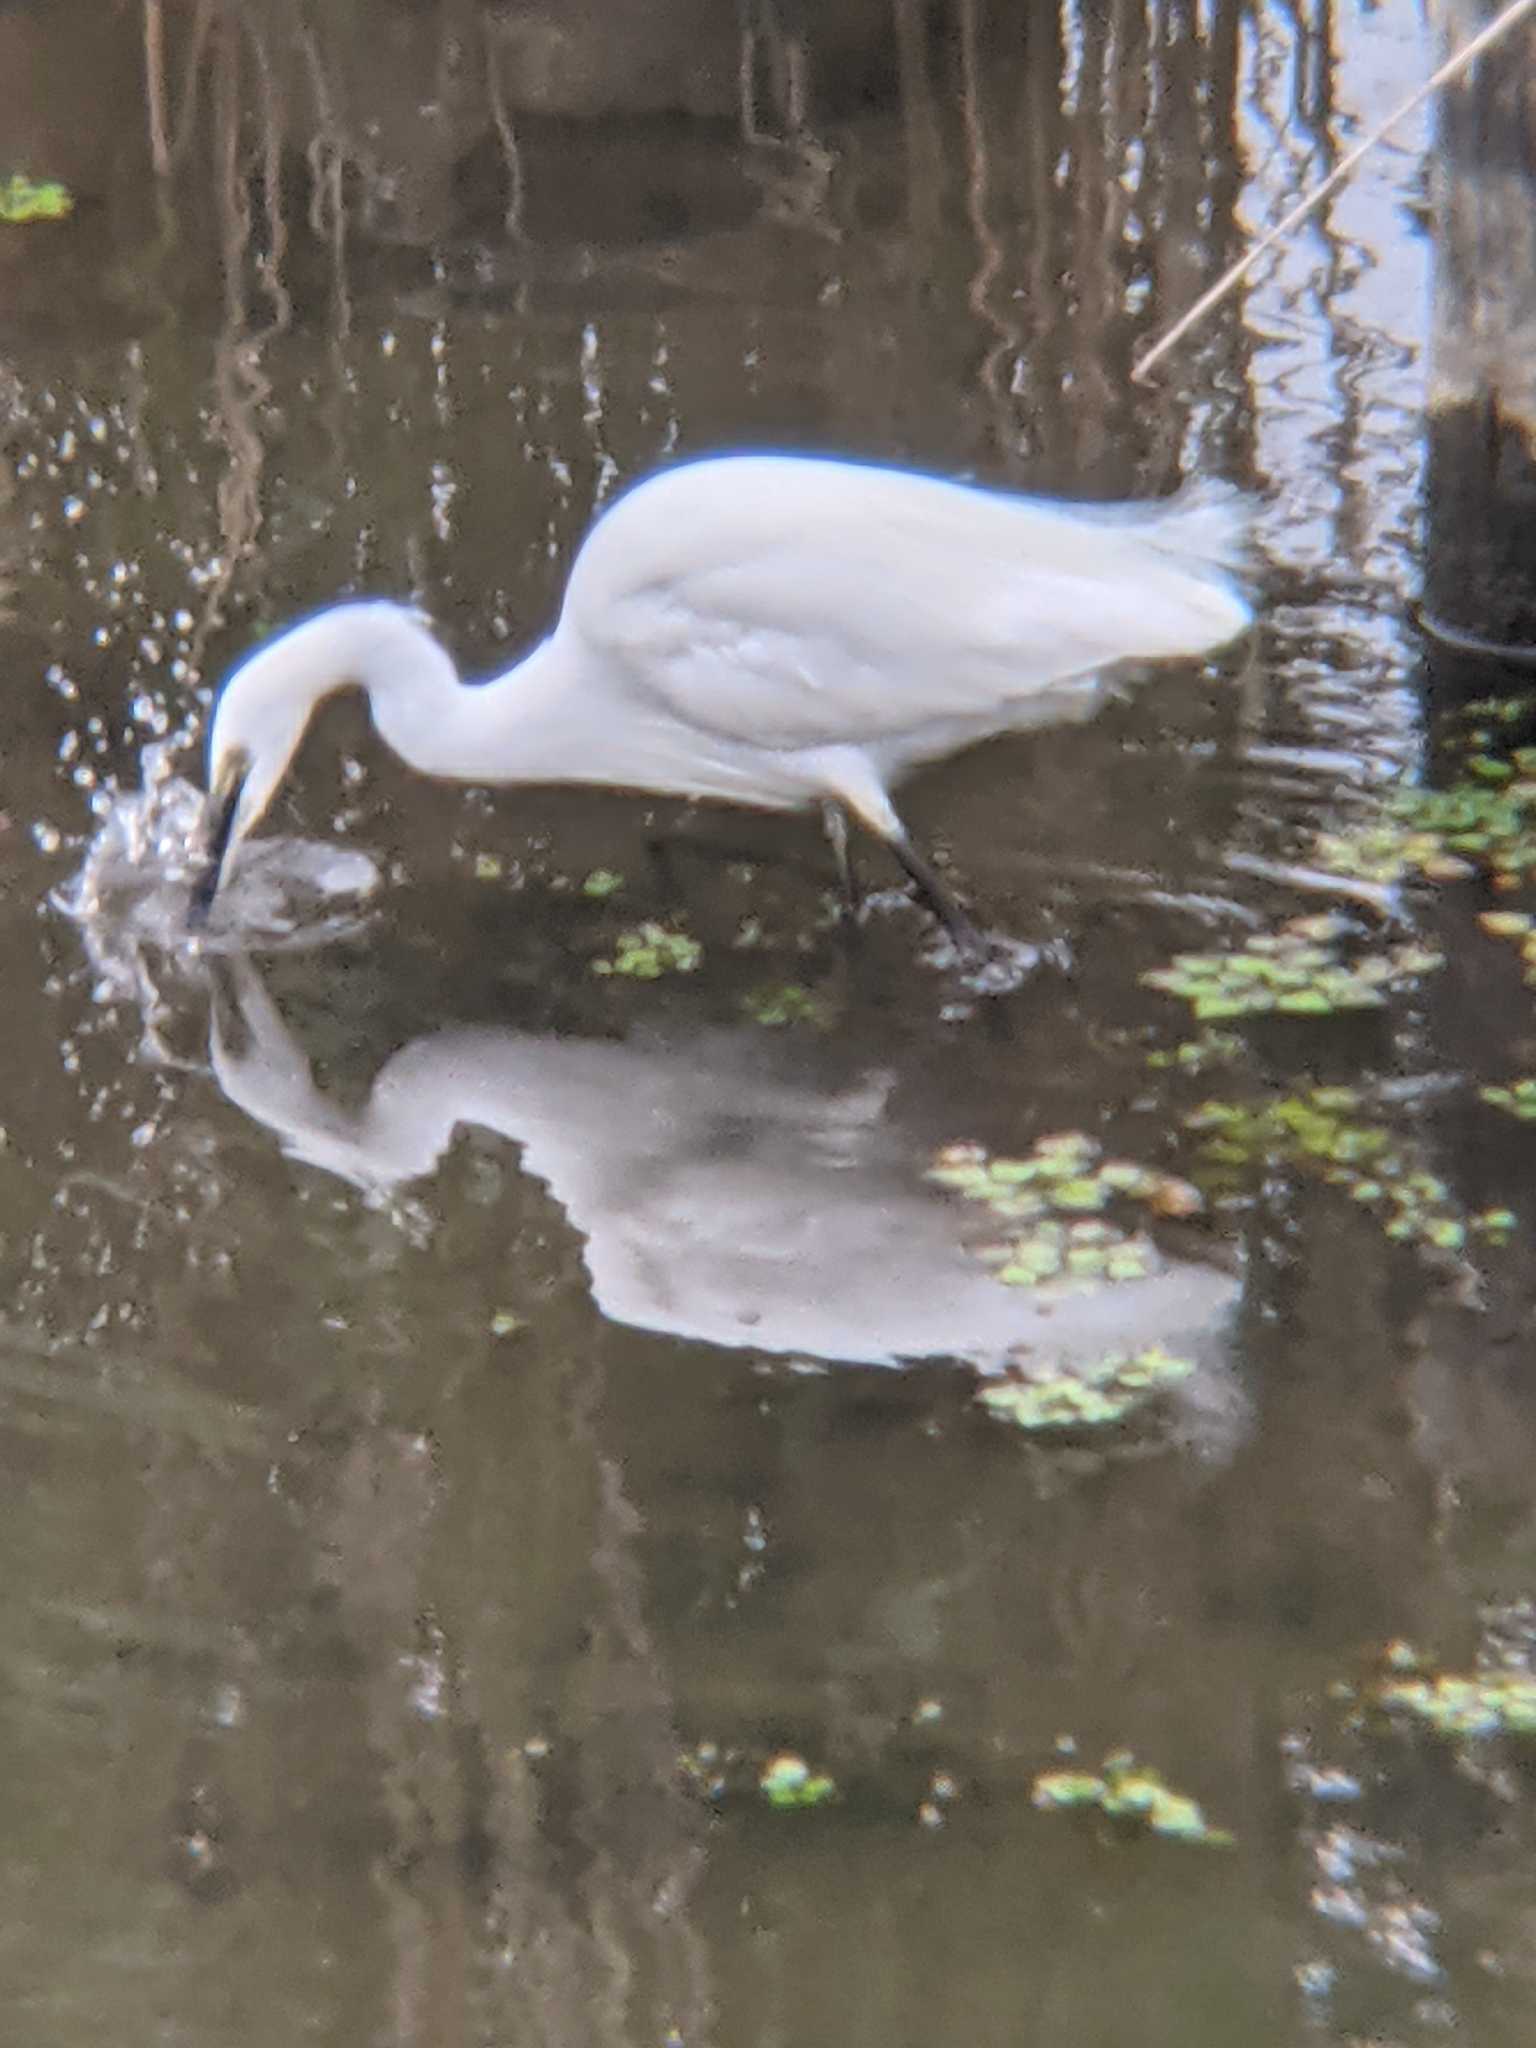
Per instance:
x=132, y=894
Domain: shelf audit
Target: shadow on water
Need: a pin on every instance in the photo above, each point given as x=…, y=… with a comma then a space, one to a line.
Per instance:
x=448, y=1395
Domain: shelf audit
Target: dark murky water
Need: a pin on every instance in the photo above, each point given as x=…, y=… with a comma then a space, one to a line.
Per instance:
x=445, y=1393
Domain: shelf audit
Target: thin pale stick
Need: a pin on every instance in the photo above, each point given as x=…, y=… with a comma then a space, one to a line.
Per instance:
x=191, y=76
x=1467, y=54
x=154, y=87
x=511, y=155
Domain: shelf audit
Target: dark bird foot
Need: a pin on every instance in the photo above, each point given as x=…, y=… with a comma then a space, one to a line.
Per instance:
x=969, y=942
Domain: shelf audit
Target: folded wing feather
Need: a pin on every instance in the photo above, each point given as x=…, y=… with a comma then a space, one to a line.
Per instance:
x=814, y=604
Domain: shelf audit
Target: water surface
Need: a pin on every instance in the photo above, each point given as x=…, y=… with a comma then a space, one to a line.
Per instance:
x=448, y=1402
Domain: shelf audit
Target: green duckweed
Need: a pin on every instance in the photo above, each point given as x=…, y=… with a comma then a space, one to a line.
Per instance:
x=1519, y=928
x=777, y=1007
x=601, y=884
x=1457, y=1706
x=1207, y=1048
x=1495, y=710
x=1322, y=1131
x=1097, y=1396
x=650, y=951
x=1483, y=823
x=1460, y=1706
x=1298, y=971
x=1465, y=1706
x=1066, y=1170
x=788, y=1781
x=1516, y=1098
x=27, y=199
x=1057, y=1195
x=1126, y=1791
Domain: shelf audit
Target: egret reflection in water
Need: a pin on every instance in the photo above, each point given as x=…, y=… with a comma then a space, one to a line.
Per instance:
x=723, y=1192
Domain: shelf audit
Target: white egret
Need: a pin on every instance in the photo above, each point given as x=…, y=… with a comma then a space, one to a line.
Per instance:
x=767, y=630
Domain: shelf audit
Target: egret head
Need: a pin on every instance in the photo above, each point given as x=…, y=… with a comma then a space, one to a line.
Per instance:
x=264, y=710
x=258, y=723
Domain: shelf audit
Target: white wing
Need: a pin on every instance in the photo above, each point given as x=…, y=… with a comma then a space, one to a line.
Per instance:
x=795, y=603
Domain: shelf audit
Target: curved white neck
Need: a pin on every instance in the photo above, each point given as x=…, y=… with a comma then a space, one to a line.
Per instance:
x=555, y=717
x=520, y=726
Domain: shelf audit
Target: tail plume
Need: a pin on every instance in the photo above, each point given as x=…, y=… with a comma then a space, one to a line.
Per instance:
x=1207, y=523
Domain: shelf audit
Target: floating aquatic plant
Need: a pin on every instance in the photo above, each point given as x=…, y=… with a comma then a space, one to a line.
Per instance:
x=1065, y=1170
x=1465, y=1705
x=784, y=1780
x=1484, y=822
x=1321, y=1130
x=601, y=884
x=1127, y=1791
x=789, y=1004
x=1517, y=1098
x=787, y=1780
x=1207, y=1048
x=1461, y=1706
x=1060, y=1191
x=1498, y=710
x=650, y=951
x=1520, y=928
x=28, y=199
x=1092, y=1397
x=1299, y=971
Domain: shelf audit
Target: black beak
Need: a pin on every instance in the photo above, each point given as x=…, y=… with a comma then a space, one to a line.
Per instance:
x=218, y=827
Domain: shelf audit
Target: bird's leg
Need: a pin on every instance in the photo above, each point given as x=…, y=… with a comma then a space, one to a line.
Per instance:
x=854, y=786
x=941, y=899
x=835, y=822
